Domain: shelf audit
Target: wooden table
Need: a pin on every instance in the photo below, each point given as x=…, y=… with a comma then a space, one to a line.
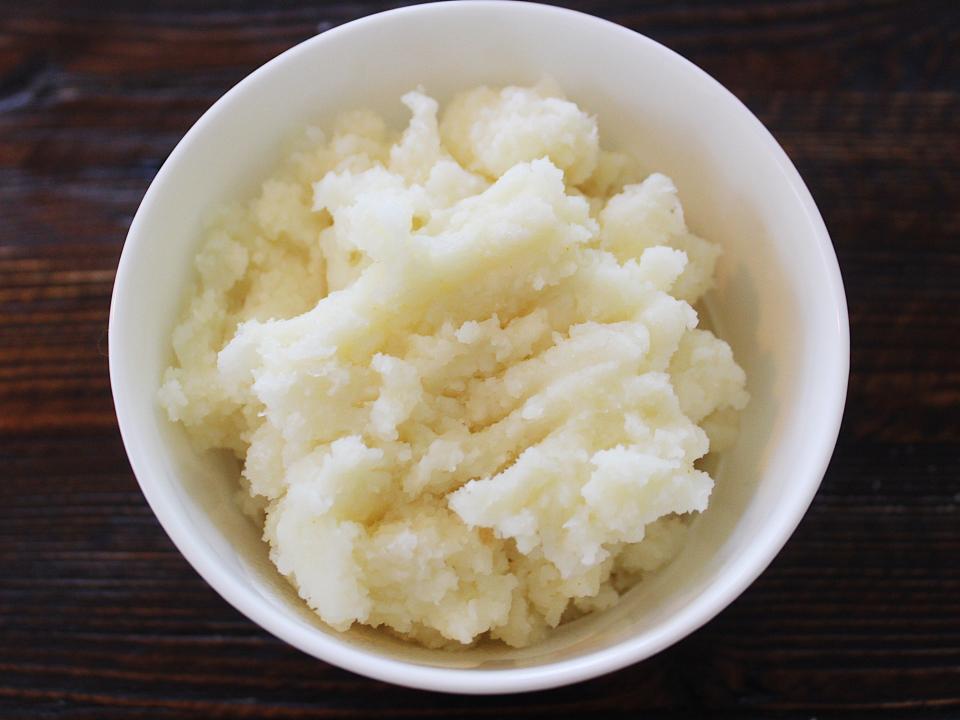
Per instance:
x=100, y=617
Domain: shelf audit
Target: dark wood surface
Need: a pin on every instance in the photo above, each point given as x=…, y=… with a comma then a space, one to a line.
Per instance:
x=859, y=616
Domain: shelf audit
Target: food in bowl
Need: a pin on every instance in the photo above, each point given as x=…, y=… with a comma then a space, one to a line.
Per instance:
x=461, y=367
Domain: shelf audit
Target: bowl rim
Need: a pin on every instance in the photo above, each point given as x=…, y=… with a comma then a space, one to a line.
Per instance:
x=329, y=648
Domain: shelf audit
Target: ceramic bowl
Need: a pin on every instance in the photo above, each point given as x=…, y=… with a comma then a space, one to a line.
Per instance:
x=779, y=302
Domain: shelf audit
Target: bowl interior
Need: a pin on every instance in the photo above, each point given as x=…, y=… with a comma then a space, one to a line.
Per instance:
x=778, y=302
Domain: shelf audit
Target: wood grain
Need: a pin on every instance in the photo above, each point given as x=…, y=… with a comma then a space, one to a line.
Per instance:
x=859, y=616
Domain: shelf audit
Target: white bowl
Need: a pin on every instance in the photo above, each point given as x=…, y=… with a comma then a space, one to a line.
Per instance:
x=780, y=304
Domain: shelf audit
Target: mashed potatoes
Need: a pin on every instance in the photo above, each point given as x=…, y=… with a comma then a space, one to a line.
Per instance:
x=461, y=367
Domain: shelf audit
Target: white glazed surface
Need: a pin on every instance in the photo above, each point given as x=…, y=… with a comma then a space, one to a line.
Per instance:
x=779, y=303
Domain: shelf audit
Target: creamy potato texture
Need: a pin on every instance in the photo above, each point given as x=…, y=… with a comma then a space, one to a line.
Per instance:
x=461, y=367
